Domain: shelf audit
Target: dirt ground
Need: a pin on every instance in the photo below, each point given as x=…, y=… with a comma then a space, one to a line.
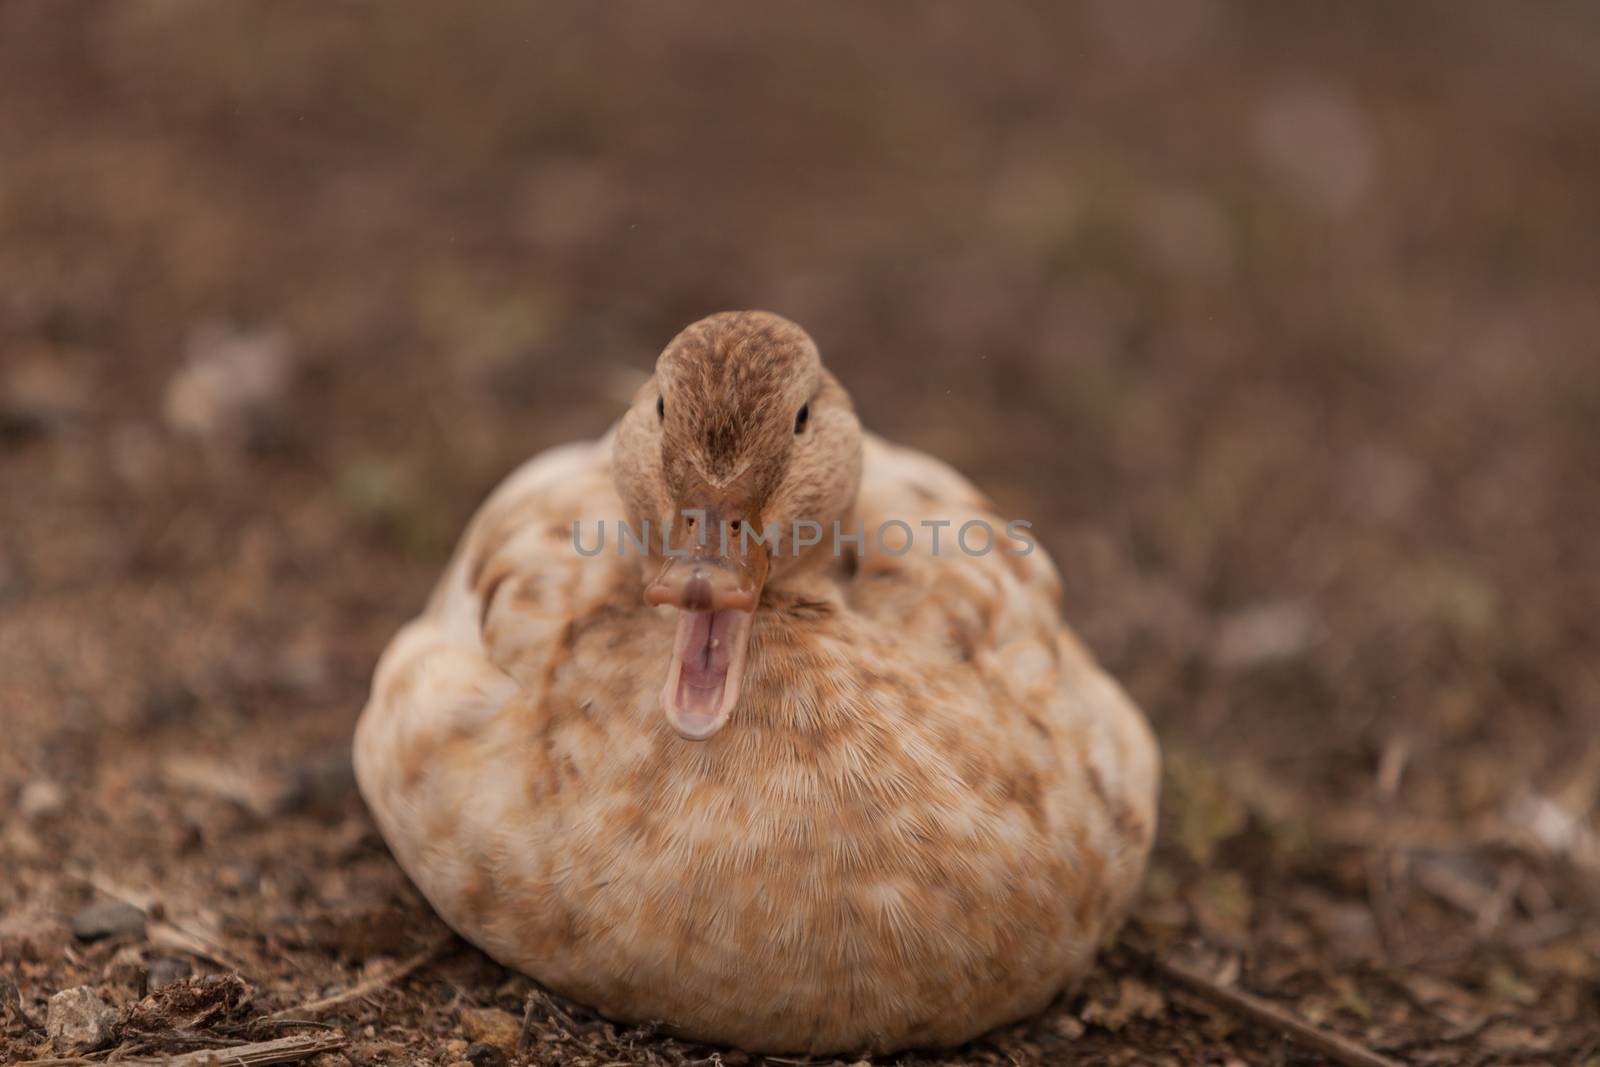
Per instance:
x=1279, y=321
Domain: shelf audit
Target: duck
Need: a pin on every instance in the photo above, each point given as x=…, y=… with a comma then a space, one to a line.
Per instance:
x=775, y=766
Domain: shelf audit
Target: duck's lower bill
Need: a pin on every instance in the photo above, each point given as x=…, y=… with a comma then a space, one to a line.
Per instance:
x=708, y=656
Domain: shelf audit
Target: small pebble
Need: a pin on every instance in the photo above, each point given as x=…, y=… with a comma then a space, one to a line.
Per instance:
x=42, y=392
x=484, y=1055
x=169, y=704
x=320, y=784
x=232, y=385
x=32, y=936
x=243, y=877
x=78, y=1019
x=126, y=968
x=108, y=918
x=40, y=798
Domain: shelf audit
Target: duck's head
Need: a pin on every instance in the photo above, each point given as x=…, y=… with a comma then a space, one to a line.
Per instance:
x=740, y=439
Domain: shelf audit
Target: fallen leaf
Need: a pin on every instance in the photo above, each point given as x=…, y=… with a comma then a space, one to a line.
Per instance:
x=1135, y=1000
x=491, y=1026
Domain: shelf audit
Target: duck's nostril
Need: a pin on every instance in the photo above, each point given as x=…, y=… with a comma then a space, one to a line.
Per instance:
x=697, y=594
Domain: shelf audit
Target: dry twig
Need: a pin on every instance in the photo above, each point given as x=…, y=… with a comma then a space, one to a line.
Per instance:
x=11, y=1004
x=539, y=998
x=369, y=985
x=1336, y=1047
x=167, y=933
x=278, y=1050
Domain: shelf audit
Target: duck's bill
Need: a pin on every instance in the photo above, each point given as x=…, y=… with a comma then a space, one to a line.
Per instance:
x=708, y=655
x=716, y=596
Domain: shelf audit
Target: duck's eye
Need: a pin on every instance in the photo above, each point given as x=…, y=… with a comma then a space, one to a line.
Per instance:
x=801, y=417
x=661, y=407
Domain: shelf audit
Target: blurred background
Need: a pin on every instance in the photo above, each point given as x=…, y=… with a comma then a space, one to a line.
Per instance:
x=1278, y=320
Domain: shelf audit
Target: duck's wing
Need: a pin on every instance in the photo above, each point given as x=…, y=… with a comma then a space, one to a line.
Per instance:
x=995, y=616
x=955, y=575
x=526, y=565
x=436, y=751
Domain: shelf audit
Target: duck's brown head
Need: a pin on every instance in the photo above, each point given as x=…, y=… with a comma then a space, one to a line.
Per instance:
x=740, y=439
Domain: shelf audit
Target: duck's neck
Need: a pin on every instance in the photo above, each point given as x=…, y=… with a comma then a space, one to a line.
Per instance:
x=815, y=575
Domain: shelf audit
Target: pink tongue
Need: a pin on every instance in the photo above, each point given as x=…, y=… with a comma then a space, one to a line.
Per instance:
x=706, y=655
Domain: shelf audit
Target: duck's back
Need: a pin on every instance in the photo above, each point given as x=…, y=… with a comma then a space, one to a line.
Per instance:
x=928, y=808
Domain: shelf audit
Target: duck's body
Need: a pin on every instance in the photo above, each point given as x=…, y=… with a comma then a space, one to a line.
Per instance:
x=925, y=811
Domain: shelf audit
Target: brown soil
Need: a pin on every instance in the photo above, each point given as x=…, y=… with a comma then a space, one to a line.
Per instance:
x=1278, y=321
